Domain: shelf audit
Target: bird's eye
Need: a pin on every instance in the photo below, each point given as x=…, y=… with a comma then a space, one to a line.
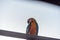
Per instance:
x=32, y=21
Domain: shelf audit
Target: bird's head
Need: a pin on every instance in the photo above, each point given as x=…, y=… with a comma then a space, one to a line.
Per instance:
x=31, y=20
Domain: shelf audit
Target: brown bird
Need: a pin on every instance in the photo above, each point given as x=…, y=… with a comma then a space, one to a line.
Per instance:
x=32, y=28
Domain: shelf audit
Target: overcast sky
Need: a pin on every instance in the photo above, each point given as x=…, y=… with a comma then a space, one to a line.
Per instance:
x=14, y=15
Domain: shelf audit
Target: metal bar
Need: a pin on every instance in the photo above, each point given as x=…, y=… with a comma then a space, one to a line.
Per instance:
x=23, y=36
x=56, y=2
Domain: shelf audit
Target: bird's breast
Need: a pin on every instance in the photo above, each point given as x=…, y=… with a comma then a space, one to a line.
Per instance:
x=33, y=29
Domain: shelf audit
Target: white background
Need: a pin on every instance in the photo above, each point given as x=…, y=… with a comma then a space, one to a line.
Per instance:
x=14, y=15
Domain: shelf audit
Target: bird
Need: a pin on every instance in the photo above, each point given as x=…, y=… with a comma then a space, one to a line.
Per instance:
x=32, y=28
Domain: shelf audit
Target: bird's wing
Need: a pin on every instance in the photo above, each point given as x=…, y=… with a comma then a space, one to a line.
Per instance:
x=28, y=29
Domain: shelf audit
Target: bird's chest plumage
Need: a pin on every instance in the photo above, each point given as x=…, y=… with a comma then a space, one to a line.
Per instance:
x=33, y=29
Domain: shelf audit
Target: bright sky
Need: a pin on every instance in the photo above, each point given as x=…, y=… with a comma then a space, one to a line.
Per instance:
x=14, y=15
